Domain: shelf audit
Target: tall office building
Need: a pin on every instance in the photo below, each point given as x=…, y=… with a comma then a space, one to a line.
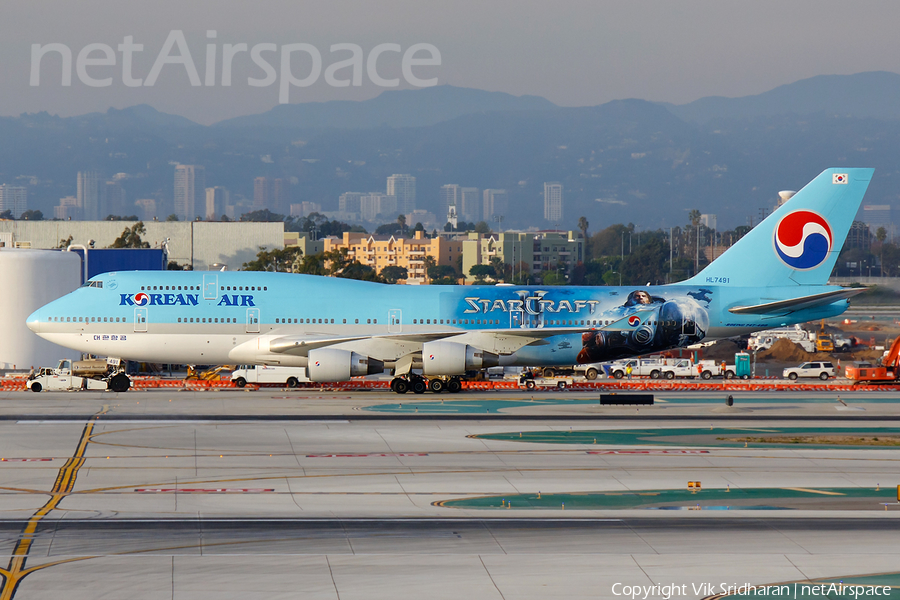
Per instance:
x=553, y=202
x=216, y=201
x=190, y=191
x=263, y=192
x=281, y=196
x=470, y=204
x=403, y=187
x=67, y=210
x=374, y=204
x=450, y=196
x=89, y=195
x=876, y=216
x=496, y=203
x=112, y=199
x=146, y=208
x=349, y=202
x=709, y=221
x=13, y=199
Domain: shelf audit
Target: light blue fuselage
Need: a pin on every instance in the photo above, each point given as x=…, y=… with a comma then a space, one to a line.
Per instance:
x=215, y=317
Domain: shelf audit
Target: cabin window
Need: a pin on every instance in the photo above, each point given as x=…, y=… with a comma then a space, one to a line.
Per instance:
x=357, y=321
x=179, y=319
x=265, y=288
x=375, y=321
x=369, y=321
x=332, y=320
x=345, y=321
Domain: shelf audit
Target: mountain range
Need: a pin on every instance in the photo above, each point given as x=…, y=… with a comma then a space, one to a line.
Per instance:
x=627, y=160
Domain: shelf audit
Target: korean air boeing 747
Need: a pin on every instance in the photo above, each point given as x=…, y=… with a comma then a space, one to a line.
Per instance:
x=776, y=275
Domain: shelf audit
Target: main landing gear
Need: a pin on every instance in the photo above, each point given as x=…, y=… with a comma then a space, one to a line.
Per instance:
x=418, y=384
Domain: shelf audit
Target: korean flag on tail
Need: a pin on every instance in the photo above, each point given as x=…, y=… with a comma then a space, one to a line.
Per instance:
x=840, y=178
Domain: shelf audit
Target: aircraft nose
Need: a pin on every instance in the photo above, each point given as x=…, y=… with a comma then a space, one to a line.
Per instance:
x=34, y=321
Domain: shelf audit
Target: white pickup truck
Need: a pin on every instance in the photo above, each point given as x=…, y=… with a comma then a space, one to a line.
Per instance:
x=683, y=367
x=640, y=367
x=289, y=376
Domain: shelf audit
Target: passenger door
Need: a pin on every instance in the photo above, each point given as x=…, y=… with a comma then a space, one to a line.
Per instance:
x=140, y=320
x=395, y=320
x=252, y=320
x=210, y=287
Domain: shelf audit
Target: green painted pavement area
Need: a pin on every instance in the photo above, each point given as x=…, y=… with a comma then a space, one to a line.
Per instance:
x=706, y=499
x=430, y=405
x=693, y=436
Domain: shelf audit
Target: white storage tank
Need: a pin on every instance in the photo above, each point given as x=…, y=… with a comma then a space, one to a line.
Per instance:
x=31, y=279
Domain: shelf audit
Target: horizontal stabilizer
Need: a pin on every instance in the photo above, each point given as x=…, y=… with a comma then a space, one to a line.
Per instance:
x=794, y=304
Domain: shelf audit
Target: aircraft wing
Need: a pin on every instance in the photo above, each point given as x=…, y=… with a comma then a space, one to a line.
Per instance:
x=494, y=340
x=794, y=304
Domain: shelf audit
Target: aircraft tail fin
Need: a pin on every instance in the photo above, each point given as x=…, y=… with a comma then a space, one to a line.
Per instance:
x=799, y=242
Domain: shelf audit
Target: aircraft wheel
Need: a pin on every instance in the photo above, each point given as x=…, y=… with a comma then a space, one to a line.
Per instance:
x=292, y=382
x=401, y=386
x=670, y=374
x=418, y=386
x=454, y=386
x=36, y=387
x=240, y=382
x=119, y=383
x=436, y=386
x=590, y=374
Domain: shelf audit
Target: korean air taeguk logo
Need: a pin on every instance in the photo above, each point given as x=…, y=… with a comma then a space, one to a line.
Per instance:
x=803, y=239
x=141, y=299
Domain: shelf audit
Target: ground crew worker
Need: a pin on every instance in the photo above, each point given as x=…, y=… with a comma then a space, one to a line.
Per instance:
x=628, y=370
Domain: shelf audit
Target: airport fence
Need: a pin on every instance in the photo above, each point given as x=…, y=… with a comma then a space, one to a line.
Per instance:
x=17, y=384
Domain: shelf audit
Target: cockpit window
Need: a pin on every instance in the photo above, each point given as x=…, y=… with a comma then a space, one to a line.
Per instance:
x=94, y=284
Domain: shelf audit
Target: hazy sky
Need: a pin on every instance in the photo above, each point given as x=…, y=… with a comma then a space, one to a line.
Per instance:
x=572, y=52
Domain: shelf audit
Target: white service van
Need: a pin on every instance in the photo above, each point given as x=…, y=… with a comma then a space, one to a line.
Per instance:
x=289, y=376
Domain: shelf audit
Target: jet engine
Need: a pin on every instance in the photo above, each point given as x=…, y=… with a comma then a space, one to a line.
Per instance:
x=333, y=364
x=451, y=358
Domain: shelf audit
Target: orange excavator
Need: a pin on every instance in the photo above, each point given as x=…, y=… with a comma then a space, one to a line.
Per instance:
x=887, y=372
